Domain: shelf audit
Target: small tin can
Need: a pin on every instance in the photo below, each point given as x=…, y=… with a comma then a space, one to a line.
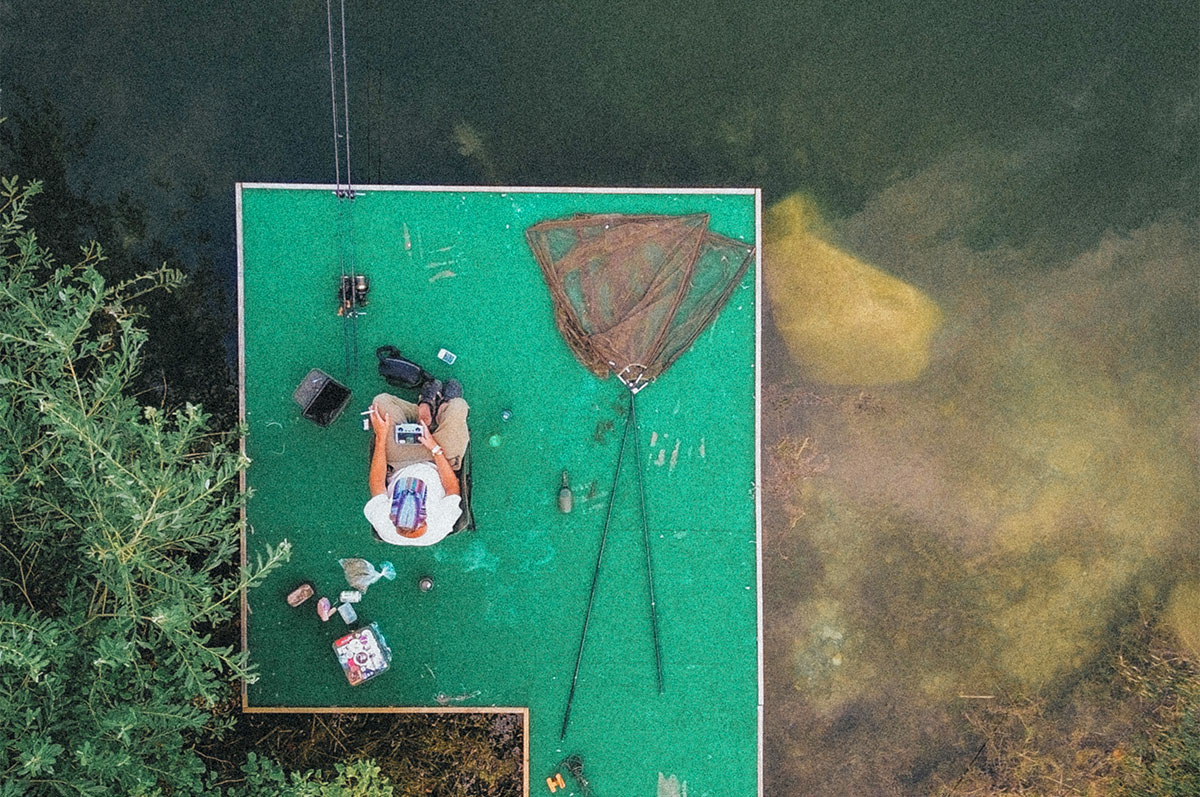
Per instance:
x=299, y=595
x=350, y=596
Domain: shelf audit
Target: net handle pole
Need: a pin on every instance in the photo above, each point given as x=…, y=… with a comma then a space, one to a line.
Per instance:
x=595, y=577
x=637, y=452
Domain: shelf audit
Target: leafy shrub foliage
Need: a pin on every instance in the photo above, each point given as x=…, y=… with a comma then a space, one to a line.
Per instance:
x=356, y=779
x=117, y=526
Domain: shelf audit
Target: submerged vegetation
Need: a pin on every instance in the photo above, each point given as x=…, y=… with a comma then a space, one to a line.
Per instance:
x=952, y=559
x=890, y=667
x=1131, y=728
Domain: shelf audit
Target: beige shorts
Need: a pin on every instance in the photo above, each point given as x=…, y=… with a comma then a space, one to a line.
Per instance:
x=449, y=430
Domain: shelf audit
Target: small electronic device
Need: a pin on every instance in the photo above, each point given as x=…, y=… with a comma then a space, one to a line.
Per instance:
x=408, y=433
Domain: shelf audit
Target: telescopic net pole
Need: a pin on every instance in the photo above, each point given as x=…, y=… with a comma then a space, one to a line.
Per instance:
x=637, y=457
x=595, y=577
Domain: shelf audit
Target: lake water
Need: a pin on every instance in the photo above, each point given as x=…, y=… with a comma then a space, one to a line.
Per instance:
x=1031, y=167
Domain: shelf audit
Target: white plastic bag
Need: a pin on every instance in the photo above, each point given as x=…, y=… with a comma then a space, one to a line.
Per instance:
x=361, y=574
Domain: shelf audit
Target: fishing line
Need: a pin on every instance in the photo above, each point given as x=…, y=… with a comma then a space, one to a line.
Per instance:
x=346, y=102
x=347, y=299
x=341, y=128
x=337, y=166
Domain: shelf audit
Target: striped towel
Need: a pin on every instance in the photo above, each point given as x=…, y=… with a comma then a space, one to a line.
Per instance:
x=408, y=503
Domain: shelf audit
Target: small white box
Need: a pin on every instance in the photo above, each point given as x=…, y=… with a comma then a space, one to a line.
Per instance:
x=446, y=356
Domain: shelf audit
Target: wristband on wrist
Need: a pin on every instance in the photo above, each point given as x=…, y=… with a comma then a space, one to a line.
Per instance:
x=435, y=450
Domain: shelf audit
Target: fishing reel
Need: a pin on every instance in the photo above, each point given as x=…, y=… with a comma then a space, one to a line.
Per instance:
x=352, y=294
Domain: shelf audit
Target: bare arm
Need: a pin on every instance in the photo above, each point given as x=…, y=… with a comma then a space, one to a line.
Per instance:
x=377, y=475
x=445, y=472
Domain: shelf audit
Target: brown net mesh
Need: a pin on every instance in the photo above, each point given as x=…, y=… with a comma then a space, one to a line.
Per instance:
x=631, y=292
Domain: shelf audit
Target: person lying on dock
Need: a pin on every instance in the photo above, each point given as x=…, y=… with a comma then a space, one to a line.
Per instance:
x=415, y=495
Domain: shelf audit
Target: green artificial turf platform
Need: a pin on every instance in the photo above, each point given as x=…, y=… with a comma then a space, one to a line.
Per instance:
x=450, y=268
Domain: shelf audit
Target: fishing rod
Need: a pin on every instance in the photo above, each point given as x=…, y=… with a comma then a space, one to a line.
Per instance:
x=345, y=303
x=344, y=123
x=352, y=287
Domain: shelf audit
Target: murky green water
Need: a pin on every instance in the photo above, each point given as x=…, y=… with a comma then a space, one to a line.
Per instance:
x=985, y=529
x=1031, y=167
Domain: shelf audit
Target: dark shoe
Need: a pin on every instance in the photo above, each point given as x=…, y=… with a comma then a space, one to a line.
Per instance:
x=452, y=389
x=431, y=393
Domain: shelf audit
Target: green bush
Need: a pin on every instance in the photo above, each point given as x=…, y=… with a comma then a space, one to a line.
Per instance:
x=356, y=779
x=117, y=526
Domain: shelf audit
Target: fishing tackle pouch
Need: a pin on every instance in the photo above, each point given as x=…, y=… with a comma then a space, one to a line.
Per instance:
x=399, y=371
x=363, y=654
